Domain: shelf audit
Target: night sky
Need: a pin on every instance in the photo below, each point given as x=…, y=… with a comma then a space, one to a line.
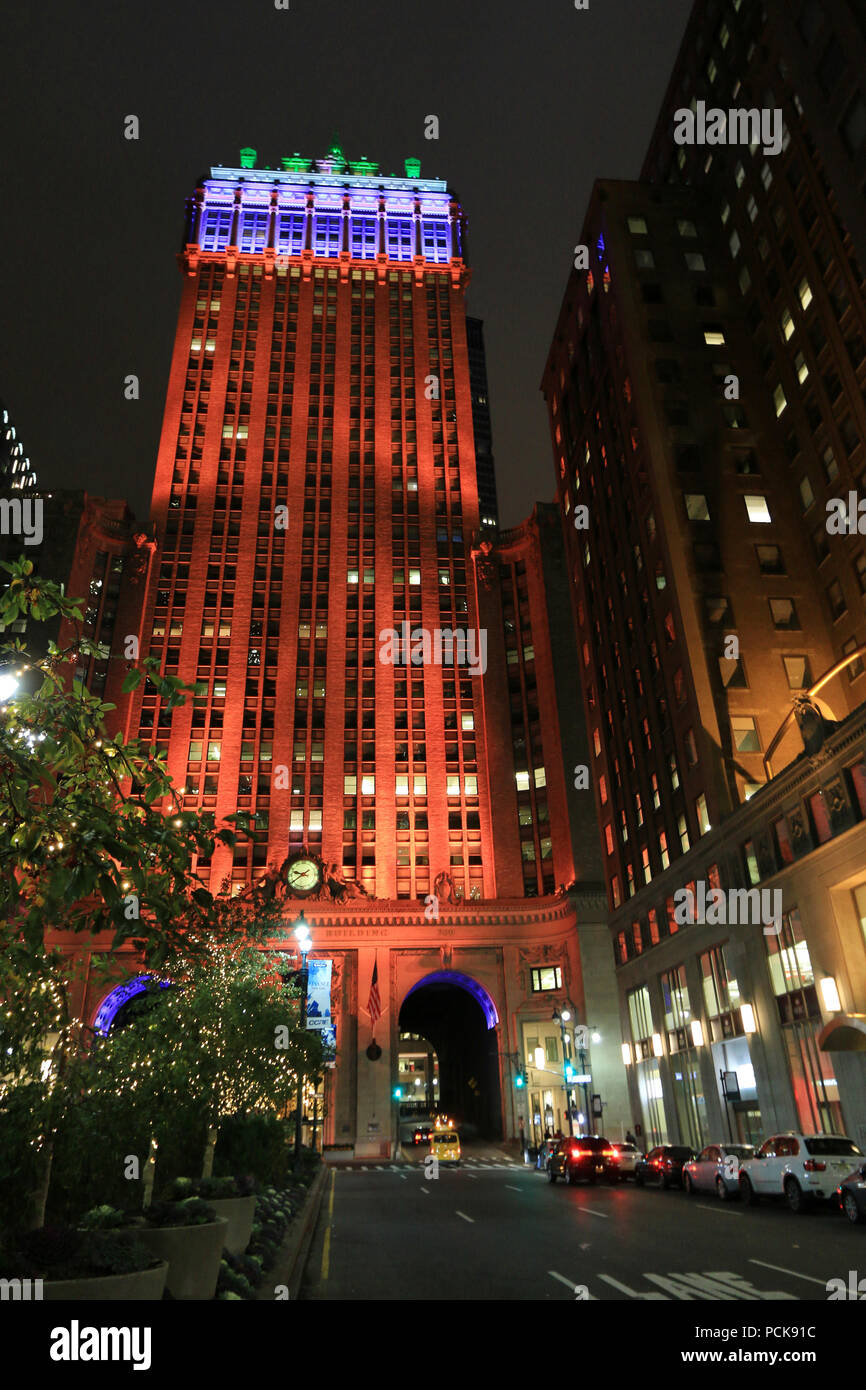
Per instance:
x=534, y=102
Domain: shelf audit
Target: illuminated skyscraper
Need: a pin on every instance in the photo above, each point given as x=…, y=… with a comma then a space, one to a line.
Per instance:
x=375, y=681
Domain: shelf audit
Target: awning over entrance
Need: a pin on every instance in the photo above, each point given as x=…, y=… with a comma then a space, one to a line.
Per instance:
x=844, y=1033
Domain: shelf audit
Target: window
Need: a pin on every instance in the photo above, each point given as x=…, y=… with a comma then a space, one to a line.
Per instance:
x=798, y=672
x=770, y=559
x=807, y=496
x=757, y=509
x=683, y=832
x=695, y=261
x=644, y=260
x=787, y=325
x=836, y=600
x=714, y=335
x=696, y=506
x=686, y=228
x=804, y=293
x=546, y=977
x=637, y=226
x=702, y=814
x=779, y=400
x=745, y=734
x=784, y=614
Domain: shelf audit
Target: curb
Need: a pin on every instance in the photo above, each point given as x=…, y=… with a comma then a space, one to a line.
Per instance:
x=292, y=1258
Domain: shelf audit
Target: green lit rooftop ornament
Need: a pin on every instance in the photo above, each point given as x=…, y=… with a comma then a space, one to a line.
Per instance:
x=296, y=163
x=248, y=158
x=363, y=166
x=413, y=168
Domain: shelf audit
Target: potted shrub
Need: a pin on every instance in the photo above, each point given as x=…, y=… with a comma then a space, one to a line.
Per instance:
x=190, y=1236
x=91, y=1265
x=229, y=1197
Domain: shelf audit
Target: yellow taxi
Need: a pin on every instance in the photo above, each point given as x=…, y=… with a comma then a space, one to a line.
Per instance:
x=444, y=1143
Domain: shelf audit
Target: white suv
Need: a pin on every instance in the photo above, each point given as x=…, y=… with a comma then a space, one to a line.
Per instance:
x=798, y=1167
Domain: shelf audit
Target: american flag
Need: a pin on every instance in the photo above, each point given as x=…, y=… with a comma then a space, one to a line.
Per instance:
x=374, y=1003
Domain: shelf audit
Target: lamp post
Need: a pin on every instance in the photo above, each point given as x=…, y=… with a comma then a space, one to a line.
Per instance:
x=562, y=1019
x=302, y=936
x=585, y=1078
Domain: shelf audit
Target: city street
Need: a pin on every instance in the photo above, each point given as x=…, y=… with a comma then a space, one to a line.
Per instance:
x=494, y=1229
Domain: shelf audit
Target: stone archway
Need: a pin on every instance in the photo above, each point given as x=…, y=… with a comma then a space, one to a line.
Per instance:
x=459, y=1017
x=116, y=999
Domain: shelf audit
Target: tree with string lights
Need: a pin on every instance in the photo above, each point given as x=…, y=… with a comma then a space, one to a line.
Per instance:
x=93, y=841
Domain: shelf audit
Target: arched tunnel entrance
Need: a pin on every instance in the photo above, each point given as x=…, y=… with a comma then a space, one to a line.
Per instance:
x=459, y=1018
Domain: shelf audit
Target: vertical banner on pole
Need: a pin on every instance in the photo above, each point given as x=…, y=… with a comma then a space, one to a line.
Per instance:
x=319, y=1018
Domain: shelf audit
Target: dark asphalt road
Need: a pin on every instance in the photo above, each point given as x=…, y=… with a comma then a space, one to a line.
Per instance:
x=493, y=1229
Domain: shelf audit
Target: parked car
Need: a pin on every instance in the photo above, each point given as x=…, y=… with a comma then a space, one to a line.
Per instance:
x=717, y=1169
x=421, y=1135
x=587, y=1156
x=664, y=1165
x=629, y=1154
x=851, y=1193
x=798, y=1167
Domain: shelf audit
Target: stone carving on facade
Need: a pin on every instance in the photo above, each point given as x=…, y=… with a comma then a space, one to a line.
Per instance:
x=484, y=565
x=798, y=830
x=443, y=888
x=814, y=727
x=137, y=558
x=445, y=957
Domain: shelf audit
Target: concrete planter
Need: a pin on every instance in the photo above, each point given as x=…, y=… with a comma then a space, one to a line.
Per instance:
x=146, y=1285
x=240, y=1213
x=193, y=1254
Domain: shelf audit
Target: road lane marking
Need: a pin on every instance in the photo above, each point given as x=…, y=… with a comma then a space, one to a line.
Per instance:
x=604, y=1216
x=426, y=1191
x=570, y=1284
x=723, y=1211
x=472, y=1176
x=633, y=1293
x=511, y=1188
x=470, y=1219
x=780, y=1269
x=326, y=1247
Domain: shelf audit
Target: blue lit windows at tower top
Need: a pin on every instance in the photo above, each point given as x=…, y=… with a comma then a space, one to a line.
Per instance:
x=293, y=210
x=254, y=229
x=364, y=239
x=290, y=231
x=216, y=227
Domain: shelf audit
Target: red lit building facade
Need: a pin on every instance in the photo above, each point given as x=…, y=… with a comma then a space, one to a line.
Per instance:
x=377, y=679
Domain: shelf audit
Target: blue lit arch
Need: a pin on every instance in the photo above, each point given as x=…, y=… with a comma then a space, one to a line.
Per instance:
x=461, y=981
x=120, y=995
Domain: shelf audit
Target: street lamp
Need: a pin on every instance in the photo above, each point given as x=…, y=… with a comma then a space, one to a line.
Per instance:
x=302, y=936
x=585, y=1078
x=567, y=1069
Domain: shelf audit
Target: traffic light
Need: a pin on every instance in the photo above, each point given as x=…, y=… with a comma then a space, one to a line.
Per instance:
x=398, y=1092
x=570, y=1073
x=520, y=1081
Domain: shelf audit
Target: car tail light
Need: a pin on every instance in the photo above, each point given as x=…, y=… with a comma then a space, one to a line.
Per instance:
x=657, y=1163
x=615, y=1152
x=812, y=1166
x=581, y=1153
x=609, y=1153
